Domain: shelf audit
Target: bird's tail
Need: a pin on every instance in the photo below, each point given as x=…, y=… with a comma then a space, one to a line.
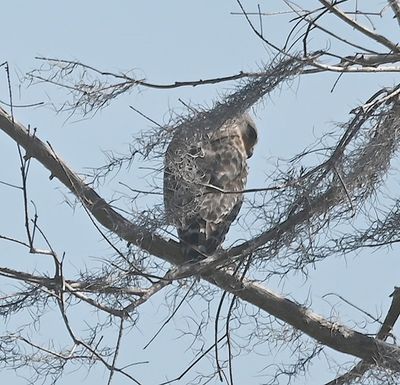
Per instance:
x=196, y=245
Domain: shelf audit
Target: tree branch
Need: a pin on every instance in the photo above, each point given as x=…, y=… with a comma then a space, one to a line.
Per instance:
x=373, y=35
x=390, y=319
x=395, y=4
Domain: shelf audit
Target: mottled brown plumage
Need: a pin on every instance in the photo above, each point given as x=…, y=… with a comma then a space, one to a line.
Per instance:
x=203, y=170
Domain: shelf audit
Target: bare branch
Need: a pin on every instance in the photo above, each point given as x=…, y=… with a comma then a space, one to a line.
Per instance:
x=375, y=36
x=359, y=370
x=395, y=4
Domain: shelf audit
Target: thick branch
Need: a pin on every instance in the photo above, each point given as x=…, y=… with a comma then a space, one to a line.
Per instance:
x=390, y=319
x=104, y=214
x=395, y=4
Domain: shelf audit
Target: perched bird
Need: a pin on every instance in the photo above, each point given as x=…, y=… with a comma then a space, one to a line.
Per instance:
x=205, y=174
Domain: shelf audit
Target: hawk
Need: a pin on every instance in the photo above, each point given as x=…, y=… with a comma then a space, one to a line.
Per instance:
x=203, y=170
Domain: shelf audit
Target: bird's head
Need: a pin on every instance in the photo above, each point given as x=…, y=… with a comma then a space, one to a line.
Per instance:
x=249, y=133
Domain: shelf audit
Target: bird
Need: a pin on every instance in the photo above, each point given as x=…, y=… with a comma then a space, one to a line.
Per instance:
x=205, y=173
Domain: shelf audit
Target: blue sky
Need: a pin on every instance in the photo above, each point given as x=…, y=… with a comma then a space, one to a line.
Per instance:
x=166, y=42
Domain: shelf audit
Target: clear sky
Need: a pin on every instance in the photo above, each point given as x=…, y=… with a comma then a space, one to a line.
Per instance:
x=166, y=41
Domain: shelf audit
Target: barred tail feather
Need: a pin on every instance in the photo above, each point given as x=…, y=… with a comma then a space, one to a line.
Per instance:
x=198, y=243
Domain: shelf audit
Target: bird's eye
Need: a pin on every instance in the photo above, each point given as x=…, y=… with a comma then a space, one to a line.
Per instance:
x=251, y=134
